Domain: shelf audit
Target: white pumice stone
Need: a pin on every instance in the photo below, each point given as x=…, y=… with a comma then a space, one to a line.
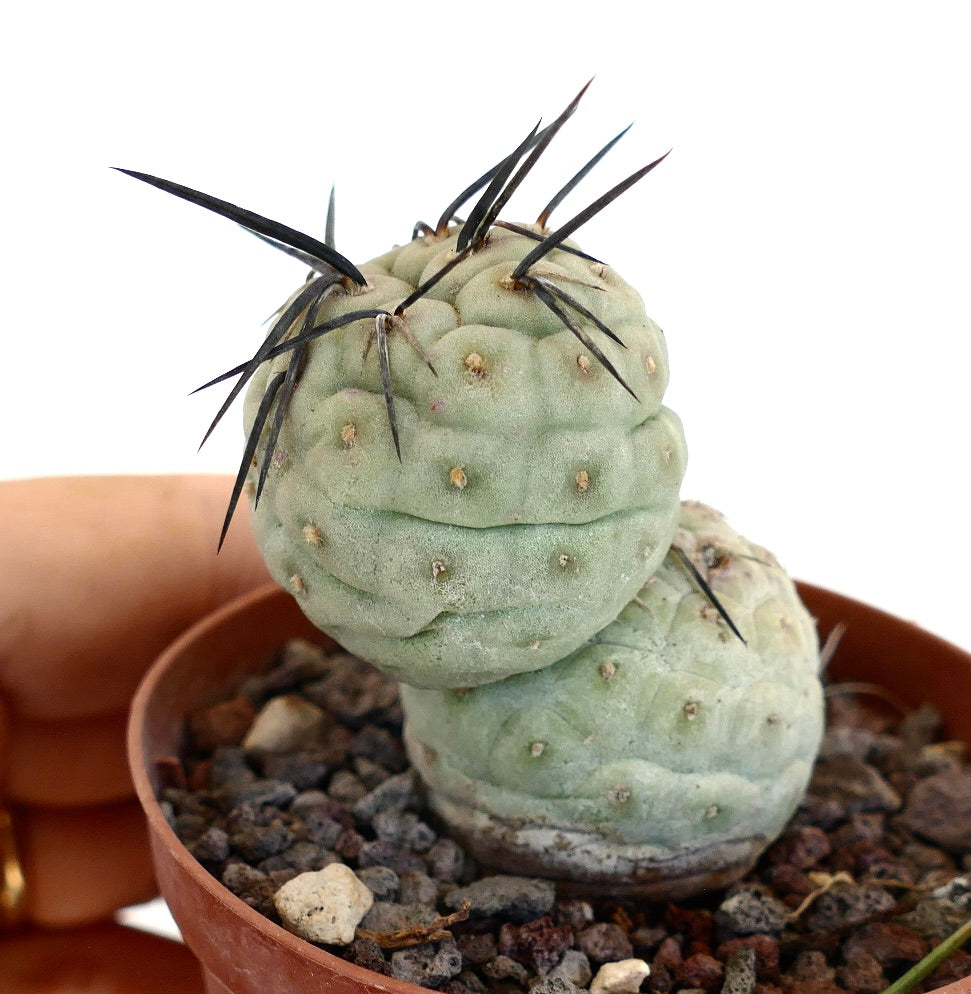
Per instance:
x=325, y=905
x=285, y=723
x=623, y=977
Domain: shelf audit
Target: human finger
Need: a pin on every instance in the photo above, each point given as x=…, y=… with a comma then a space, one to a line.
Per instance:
x=81, y=865
x=100, y=573
x=103, y=957
x=38, y=773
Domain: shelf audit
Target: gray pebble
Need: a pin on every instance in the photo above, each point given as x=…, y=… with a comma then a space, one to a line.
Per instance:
x=381, y=881
x=256, y=842
x=319, y=827
x=428, y=965
x=371, y=774
x=230, y=766
x=849, y=906
x=367, y=953
x=404, y=828
x=520, y=898
x=446, y=861
x=260, y=792
x=605, y=942
x=308, y=799
x=381, y=853
x=346, y=788
x=211, y=847
x=554, y=985
x=749, y=910
x=467, y=982
x=304, y=855
x=398, y=791
x=390, y=916
x=852, y=784
x=504, y=968
x=574, y=967
x=740, y=977
x=378, y=745
x=418, y=887
x=303, y=769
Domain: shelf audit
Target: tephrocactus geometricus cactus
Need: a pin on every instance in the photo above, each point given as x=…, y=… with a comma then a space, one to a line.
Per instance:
x=460, y=464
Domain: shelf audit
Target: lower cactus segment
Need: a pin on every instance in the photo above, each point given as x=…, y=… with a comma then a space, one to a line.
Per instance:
x=661, y=757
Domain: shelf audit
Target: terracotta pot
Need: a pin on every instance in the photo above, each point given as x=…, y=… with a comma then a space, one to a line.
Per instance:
x=243, y=953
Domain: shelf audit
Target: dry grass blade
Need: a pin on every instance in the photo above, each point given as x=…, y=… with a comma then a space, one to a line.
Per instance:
x=415, y=935
x=564, y=231
x=575, y=180
x=695, y=574
x=273, y=230
x=547, y=298
x=381, y=328
x=262, y=413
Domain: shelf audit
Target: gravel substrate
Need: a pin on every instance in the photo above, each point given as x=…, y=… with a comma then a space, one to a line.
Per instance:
x=304, y=768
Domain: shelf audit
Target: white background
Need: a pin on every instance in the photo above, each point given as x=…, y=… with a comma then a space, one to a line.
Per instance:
x=805, y=246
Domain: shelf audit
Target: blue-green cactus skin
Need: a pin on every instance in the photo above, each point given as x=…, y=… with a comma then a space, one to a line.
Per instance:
x=534, y=495
x=662, y=751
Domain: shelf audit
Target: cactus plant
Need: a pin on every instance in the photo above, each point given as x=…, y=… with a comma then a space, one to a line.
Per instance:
x=662, y=756
x=459, y=462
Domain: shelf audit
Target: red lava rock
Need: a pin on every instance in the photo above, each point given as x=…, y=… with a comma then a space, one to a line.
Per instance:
x=701, y=971
x=887, y=942
x=812, y=987
x=605, y=942
x=540, y=943
x=811, y=964
x=855, y=785
x=170, y=772
x=804, y=848
x=766, y=952
x=939, y=809
x=222, y=724
x=477, y=949
x=786, y=879
x=865, y=826
x=664, y=966
x=862, y=973
x=697, y=927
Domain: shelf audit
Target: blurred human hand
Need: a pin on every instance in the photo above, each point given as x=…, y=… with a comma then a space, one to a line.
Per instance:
x=99, y=575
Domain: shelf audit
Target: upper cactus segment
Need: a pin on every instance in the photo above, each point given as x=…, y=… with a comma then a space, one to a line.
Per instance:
x=663, y=755
x=457, y=453
x=533, y=495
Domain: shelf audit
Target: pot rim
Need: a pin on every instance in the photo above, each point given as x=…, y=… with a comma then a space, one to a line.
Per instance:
x=140, y=764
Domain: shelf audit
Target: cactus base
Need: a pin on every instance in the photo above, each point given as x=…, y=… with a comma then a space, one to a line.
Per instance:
x=587, y=864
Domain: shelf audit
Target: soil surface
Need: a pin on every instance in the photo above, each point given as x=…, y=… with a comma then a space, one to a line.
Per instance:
x=873, y=870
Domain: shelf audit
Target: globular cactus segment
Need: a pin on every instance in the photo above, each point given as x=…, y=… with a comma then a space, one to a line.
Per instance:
x=533, y=496
x=528, y=484
x=660, y=758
